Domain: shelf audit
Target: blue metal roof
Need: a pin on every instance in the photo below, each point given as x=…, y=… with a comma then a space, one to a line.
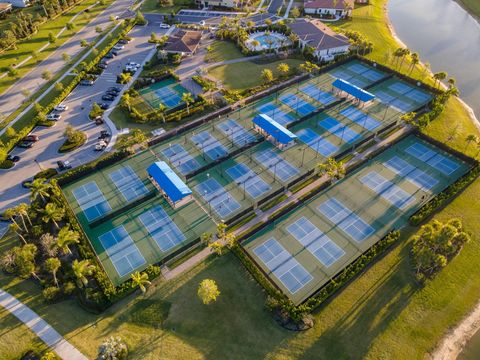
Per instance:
x=273, y=128
x=166, y=178
x=353, y=90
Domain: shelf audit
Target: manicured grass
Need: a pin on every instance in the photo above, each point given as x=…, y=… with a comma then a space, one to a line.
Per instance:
x=152, y=6
x=247, y=74
x=223, y=50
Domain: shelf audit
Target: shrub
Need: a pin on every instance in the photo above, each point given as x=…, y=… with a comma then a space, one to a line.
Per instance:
x=75, y=139
x=46, y=174
x=69, y=287
x=6, y=164
x=113, y=349
x=51, y=293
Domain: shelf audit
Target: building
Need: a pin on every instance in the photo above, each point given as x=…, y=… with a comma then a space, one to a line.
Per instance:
x=5, y=8
x=17, y=3
x=359, y=95
x=173, y=189
x=183, y=42
x=222, y=3
x=329, y=8
x=274, y=132
x=325, y=42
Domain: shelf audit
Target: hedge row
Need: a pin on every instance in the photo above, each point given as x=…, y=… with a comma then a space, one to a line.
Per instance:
x=433, y=205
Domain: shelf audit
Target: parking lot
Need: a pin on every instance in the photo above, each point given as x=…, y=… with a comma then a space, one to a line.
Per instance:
x=44, y=154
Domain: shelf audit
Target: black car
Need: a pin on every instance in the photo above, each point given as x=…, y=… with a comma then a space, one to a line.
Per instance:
x=64, y=165
x=14, y=158
x=109, y=56
x=104, y=135
x=86, y=82
x=102, y=66
x=107, y=97
x=114, y=52
x=123, y=41
x=114, y=88
x=112, y=93
x=104, y=106
x=25, y=144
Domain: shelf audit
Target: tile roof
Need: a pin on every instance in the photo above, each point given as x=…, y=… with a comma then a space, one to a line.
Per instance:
x=317, y=35
x=328, y=4
x=183, y=41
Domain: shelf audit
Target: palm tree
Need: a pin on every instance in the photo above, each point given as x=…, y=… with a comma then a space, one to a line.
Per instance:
x=67, y=237
x=472, y=138
x=426, y=69
x=39, y=187
x=11, y=214
x=140, y=280
x=398, y=53
x=408, y=118
x=439, y=77
x=53, y=213
x=283, y=68
x=16, y=229
x=82, y=269
x=187, y=98
x=161, y=111
x=255, y=44
x=22, y=211
x=451, y=82
x=52, y=265
x=126, y=101
x=405, y=53
x=415, y=61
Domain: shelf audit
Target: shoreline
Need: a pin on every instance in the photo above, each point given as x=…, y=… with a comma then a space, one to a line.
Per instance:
x=467, y=107
x=454, y=339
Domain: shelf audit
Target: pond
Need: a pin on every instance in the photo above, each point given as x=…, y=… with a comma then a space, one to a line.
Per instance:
x=444, y=35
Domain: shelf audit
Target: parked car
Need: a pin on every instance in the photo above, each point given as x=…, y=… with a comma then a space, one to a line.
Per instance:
x=101, y=145
x=104, y=134
x=61, y=107
x=14, y=158
x=99, y=120
x=54, y=117
x=119, y=47
x=109, y=56
x=114, y=88
x=25, y=144
x=114, y=52
x=64, y=165
x=104, y=61
x=164, y=26
x=107, y=97
x=104, y=106
x=133, y=64
x=123, y=41
x=31, y=137
x=86, y=82
x=131, y=69
x=102, y=66
x=112, y=93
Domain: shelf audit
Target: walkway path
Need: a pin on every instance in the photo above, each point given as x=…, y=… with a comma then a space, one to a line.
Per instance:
x=292, y=198
x=44, y=331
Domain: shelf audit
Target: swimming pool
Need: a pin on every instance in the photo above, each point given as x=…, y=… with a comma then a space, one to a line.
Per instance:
x=260, y=41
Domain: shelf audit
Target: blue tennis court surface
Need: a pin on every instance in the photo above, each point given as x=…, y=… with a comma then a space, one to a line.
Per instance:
x=283, y=265
x=339, y=130
x=353, y=79
x=168, y=96
x=277, y=165
x=180, y=158
x=387, y=190
x=254, y=185
x=295, y=103
x=418, y=96
x=276, y=113
x=235, y=132
x=400, y=87
x=366, y=72
x=122, y=251
x=346, y=219
x=411, y=173
x=315, y=241
x=209, y=145
x=91, y=200
x=129, y=184
x=218, y=198
x=317, y=142
x=315, y=93
x=161, y=228
x=432, y=158
x=360, y=118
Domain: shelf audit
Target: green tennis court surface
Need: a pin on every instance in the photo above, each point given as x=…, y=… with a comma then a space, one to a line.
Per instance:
x=166, y=92
x=306, y=248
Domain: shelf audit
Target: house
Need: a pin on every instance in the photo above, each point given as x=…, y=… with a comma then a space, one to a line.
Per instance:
x=17, y=3
x=329, y=8
x=222, y=3
x=173, y=189
x=274, y=132
x=183, y=42
x=325, y=42
x=5, y=8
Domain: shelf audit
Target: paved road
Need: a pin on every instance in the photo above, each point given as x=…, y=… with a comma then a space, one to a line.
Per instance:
x=45, y=154
x=40, y=327
x=10, y=100
x=274, y=6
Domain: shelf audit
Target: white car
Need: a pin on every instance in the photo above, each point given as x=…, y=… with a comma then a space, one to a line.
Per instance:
x=61, y=107
x=164, y=26
x=54, y=117
x=101, y=145
x=133, y=64
x=119, y=47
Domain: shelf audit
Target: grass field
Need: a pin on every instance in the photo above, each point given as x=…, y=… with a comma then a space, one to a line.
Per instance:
x=223, y=50
x=152, y=6
x=247, y=74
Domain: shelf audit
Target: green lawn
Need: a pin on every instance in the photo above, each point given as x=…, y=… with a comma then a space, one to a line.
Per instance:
x=25, y=48
x=223, y=50
x=153, y=6
x=247, y=74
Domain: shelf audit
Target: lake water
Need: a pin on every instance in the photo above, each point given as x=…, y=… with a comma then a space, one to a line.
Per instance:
x=444, y=35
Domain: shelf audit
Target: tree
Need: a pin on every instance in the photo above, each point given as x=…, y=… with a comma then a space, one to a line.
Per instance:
x=135, y=137
x=48, y=244
x=283, y=68
x=161, y=111
x=415, y=61
x=70, y=26
x=113, y=349
x=83, y=43
x=51, y=38
x=96, y=111
x=26, y=93
x=25, y=260
x=10, y=132
x=295, y=12
x=58, y=86
x=67, y=237
x=472, y=138
x=267, y=76
x=206, y=238
x=46, y=75
x=208, y=291
x=187, y=98
x=335, y=170
x=439, y=77
x=52, y=265
x=66, y=57
x=11, y=214
x=39, y=187
x=409, y=118
x=140, y=19
x=52, y=213
x=140, y=280
x=309, y=67
x=12, y=71
x=82, y=269
x=98, y=29
x=22, y=211
x=7, y=261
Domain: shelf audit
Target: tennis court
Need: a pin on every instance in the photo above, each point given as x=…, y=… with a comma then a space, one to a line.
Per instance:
x=276, y=113
x=209, y=145
x=91, y=200
x=220, y=200
x=317, y=142
x=297, y=104
x=339, y=224
x=237, y=133
x=177, y=156
x=344, y=132
x=128, y=183
x=357, y=73
x=244, y=176
x=277, y=165
x=166, y=92
x=311, y=90
x=361, y=118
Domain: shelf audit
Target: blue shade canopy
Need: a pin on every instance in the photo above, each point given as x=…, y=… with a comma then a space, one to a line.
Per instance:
x=273, y=128
x=353, y=90
x=170, y=183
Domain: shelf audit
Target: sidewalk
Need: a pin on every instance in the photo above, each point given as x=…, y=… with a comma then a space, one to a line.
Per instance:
x=44, y=331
